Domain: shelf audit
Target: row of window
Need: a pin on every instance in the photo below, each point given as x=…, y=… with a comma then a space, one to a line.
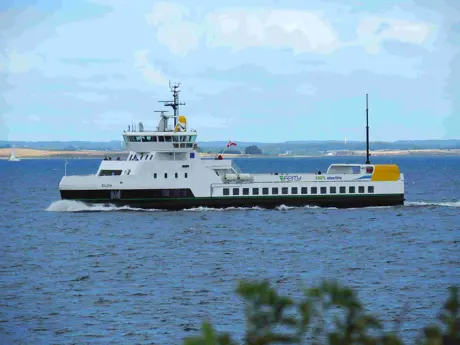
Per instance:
x=176, y=175
x=296, y=190
x=161, y=138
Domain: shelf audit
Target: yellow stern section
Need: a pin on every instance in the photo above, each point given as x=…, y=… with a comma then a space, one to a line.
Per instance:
x=386, y=172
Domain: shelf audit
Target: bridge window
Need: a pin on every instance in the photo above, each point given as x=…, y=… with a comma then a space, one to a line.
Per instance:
x=285, y=190
x=226, y=191
x=370, y=189
x=323, y=190
x=245, y=191
x=154, y=139
x=304, y=190
x=333, y=190
x=255, y=191
x=110, y=173
x=236, y=191
x=168, y=138
x=274, y=191
x=161, y=139
x=342, y=190
x=361, y=189
x=175, y=138
x=265, y=191
x=314, y=190
x=351, y=189
x=294, y=190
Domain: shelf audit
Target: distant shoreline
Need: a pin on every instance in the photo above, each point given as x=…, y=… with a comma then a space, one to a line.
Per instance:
x=87, y=154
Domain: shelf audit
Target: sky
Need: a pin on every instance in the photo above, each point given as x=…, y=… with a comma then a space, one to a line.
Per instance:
x=259, y=70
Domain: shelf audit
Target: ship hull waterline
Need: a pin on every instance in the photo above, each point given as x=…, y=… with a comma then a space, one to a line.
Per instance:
x=176, y=204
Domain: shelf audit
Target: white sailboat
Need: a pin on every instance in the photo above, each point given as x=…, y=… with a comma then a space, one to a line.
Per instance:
x=13, y=157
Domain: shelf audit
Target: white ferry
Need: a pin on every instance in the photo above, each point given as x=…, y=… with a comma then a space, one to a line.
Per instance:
x=163, y=170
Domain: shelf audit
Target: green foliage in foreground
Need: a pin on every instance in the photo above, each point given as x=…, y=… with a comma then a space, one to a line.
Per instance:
x=275, y=319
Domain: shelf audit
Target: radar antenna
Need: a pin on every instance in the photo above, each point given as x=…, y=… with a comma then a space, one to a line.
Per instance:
x=175, y=103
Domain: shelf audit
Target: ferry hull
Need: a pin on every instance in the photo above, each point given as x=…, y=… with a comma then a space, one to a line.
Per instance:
x=338, y=201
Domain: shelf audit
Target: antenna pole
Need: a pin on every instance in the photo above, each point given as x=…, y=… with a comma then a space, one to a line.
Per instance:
x=367, y=131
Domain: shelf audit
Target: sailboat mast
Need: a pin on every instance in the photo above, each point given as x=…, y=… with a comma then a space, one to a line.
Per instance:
x=367, y=131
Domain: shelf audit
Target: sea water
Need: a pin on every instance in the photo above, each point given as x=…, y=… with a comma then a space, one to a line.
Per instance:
x=73, y=273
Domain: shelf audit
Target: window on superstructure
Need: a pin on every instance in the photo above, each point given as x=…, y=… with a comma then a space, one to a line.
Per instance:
x=176, y=175
x=192, y=138
x=175, y=138
x=154, y=175
x=361, y=189
x=182, y=146
x=274, y=190
x=154, y=139
x=333, y=190
x=255, y=191
x=314, y=190
x=168, y=138
x=265, y=191
x=304, y=190
x=285, y=190
x=236, y=191
x=370, y=189
x=166, y=175
x=161, y=139
x=323, y=190
x=226, y=191
x=176, y=146
x=351, y=189
x=189, y=145
x=245, y=191
x=186, y=175
x=294, y=190
x=183, y=138
x=342, y=190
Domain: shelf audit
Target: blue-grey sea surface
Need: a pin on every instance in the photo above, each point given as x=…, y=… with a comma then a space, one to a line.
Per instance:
x=73, y=274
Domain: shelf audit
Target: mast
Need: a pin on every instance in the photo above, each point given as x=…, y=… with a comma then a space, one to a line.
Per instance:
x=367, y=131
x=175, y=103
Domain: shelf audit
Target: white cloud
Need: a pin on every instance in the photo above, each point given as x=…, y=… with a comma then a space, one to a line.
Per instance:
x=150, y=74
x=372, y=31
x=88, y=97
x=12, y=62
x=34, y=118
x=301, y=31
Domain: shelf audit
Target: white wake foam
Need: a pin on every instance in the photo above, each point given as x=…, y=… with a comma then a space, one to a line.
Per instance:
x=431, y=203
x=78, y=206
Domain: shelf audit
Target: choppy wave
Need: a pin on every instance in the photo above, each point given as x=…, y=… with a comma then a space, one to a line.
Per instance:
x=432, y=203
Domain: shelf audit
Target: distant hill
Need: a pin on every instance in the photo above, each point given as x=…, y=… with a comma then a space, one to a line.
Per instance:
x=293, y=147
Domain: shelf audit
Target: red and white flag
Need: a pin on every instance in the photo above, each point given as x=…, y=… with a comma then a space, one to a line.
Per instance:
x=231, y=143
